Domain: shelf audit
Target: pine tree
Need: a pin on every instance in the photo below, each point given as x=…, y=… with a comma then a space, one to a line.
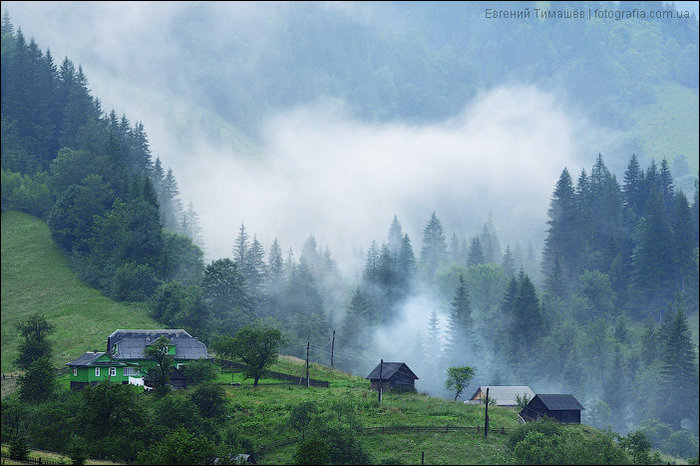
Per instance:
x=434, y=251
x=254, y=268
x=631, y=188
x=406, y=263
x=683, y=247
x=369, y=273
x=476, y=254
x=394, y=237
x=556, y=285
x=170, y=203
x=240, y=249
x=356, y=319
x=7, y=27
x=459, y=325
x=508, y=263
x=562, y=237
x=679, y=391
x=432, y=346
x=190, y=225
x=275, y=262
x=651, y=266
x=490, y=244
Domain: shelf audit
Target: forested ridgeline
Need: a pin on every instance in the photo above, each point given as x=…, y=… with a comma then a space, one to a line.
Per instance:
x=602, y=316
x=90, y=175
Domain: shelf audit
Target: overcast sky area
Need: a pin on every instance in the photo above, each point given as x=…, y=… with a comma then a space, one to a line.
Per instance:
x=320, y=170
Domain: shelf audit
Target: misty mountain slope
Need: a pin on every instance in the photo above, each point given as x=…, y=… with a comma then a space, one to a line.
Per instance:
x=415, y=63
x=36, y=278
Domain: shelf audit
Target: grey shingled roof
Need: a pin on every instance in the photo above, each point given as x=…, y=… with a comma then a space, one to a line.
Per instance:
x=133, y=342
x=505, y=394
x=86, y=359
x=388, y=370
x=560, y=402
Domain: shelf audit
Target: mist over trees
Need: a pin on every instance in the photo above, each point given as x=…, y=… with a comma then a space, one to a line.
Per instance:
x=602, y=313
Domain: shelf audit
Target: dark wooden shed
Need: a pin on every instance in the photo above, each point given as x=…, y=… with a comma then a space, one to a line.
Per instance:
x=396, y=376
x=564, y=408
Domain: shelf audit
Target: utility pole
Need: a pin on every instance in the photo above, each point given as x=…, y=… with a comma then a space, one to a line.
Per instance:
x=486, y=418
x=308, y=343
x=332, y=348
x=381, y=366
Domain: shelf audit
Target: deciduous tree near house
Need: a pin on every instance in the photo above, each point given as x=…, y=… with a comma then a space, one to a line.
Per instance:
x=258, y=347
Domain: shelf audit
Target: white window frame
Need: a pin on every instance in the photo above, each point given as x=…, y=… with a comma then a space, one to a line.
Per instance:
x=97, y=372
x=179, y=365
x=112, y=371
x=75, y=372
x=130, y=371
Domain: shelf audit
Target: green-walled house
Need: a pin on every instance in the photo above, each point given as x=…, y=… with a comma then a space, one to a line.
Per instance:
x=125, y=354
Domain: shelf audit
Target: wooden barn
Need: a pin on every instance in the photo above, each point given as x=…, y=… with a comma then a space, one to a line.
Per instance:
x=396, y=376
x=563, y=408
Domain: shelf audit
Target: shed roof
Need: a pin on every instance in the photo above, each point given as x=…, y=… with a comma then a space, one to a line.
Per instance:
x=390, y=369
x=133, y=342
x=560, y=402
x=505, y=395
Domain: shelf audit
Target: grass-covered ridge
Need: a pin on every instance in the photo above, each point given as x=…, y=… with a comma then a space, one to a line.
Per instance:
x=36, y=278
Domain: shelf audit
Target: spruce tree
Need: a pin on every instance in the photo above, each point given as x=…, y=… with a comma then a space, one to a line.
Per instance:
x=394, y=237
x=631, y=188
x=434, y=251
x=7, y=27
x=679, y=371
x=240, y=248
x=508, y=263
x=490, y=244
x=254, y=268
x=476, y=254
x=406, y=263
x=369, y=273
x=562, y=236
x=459, y=325
x=356, y=319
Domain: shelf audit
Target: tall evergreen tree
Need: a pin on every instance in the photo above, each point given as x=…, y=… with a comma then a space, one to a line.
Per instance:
x=631, y=188
x=434, y=251
x=476, y=254
x=170, y=203
x=240, y=248
x=508, y=263
x=7, y=27
x=490, y=243
x=406, y=263
x=394, y=237
x=459, y=325
x=562, y=234
x=679, y=391
x=371, y=264
x=254, y=268
x=357, y=318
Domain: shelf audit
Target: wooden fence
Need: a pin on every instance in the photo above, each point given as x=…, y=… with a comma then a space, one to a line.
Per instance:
x=438, y=429
x=34, y=460
x=293, y=379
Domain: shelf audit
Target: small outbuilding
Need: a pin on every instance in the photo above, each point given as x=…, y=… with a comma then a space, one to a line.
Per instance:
x=503, y=395
x=396, y=376
x=561, y=407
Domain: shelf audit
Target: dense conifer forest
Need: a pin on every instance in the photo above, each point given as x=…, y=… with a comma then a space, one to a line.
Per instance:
x=601, y=312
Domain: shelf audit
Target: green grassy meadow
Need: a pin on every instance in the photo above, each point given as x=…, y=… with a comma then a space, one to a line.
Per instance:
x=36, y=278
